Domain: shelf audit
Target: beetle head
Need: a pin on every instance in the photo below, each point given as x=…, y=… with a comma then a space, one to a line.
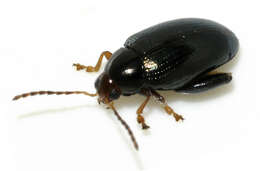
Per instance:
x=107, y=89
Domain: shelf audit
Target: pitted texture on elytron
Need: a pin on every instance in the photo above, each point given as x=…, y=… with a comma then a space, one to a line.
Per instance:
x=156, y=68
x=149, y=65
x=159, y=64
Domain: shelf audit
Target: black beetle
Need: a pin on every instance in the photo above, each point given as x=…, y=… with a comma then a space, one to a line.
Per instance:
x=176, y=55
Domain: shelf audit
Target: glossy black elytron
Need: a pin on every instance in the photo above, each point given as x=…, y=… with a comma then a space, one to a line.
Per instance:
x=174, y=55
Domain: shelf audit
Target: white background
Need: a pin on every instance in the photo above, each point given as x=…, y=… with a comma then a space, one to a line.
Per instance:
x=39, y=41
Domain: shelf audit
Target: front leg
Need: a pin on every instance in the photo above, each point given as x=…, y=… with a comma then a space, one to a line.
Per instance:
x=140, y=118
x=107, y=54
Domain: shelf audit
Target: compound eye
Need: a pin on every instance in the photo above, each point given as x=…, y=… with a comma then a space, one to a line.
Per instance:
x=114, y=94
x=97, y=83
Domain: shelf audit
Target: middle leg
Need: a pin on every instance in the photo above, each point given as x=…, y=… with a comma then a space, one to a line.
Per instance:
x=159, y=98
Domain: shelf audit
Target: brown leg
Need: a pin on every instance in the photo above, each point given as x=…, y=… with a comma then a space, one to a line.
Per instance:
x=140, y=118
x=107, y=54
x=167, y=108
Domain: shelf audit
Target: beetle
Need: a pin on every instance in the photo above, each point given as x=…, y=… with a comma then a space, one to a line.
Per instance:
x=177, y=55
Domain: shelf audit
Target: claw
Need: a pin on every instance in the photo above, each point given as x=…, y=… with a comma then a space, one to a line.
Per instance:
x=144, y=126
x=178, y=117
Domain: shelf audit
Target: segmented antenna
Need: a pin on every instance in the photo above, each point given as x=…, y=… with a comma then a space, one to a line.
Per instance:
x=51, y=93
x=85, y=93
x=126, y=126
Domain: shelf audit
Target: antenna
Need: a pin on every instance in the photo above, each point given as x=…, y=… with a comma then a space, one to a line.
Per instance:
x=51, y=93
x=125, y=125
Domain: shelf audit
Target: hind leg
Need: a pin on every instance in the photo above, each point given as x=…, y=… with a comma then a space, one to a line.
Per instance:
x=107, y=54
x=206, y=82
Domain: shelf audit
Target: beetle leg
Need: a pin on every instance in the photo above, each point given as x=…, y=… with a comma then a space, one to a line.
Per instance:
x=96, y=68
x=206, y=82
x=140, y=118
x=166, y=107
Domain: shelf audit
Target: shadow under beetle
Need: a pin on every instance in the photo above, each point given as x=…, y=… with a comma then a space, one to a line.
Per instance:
x=177, y=55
